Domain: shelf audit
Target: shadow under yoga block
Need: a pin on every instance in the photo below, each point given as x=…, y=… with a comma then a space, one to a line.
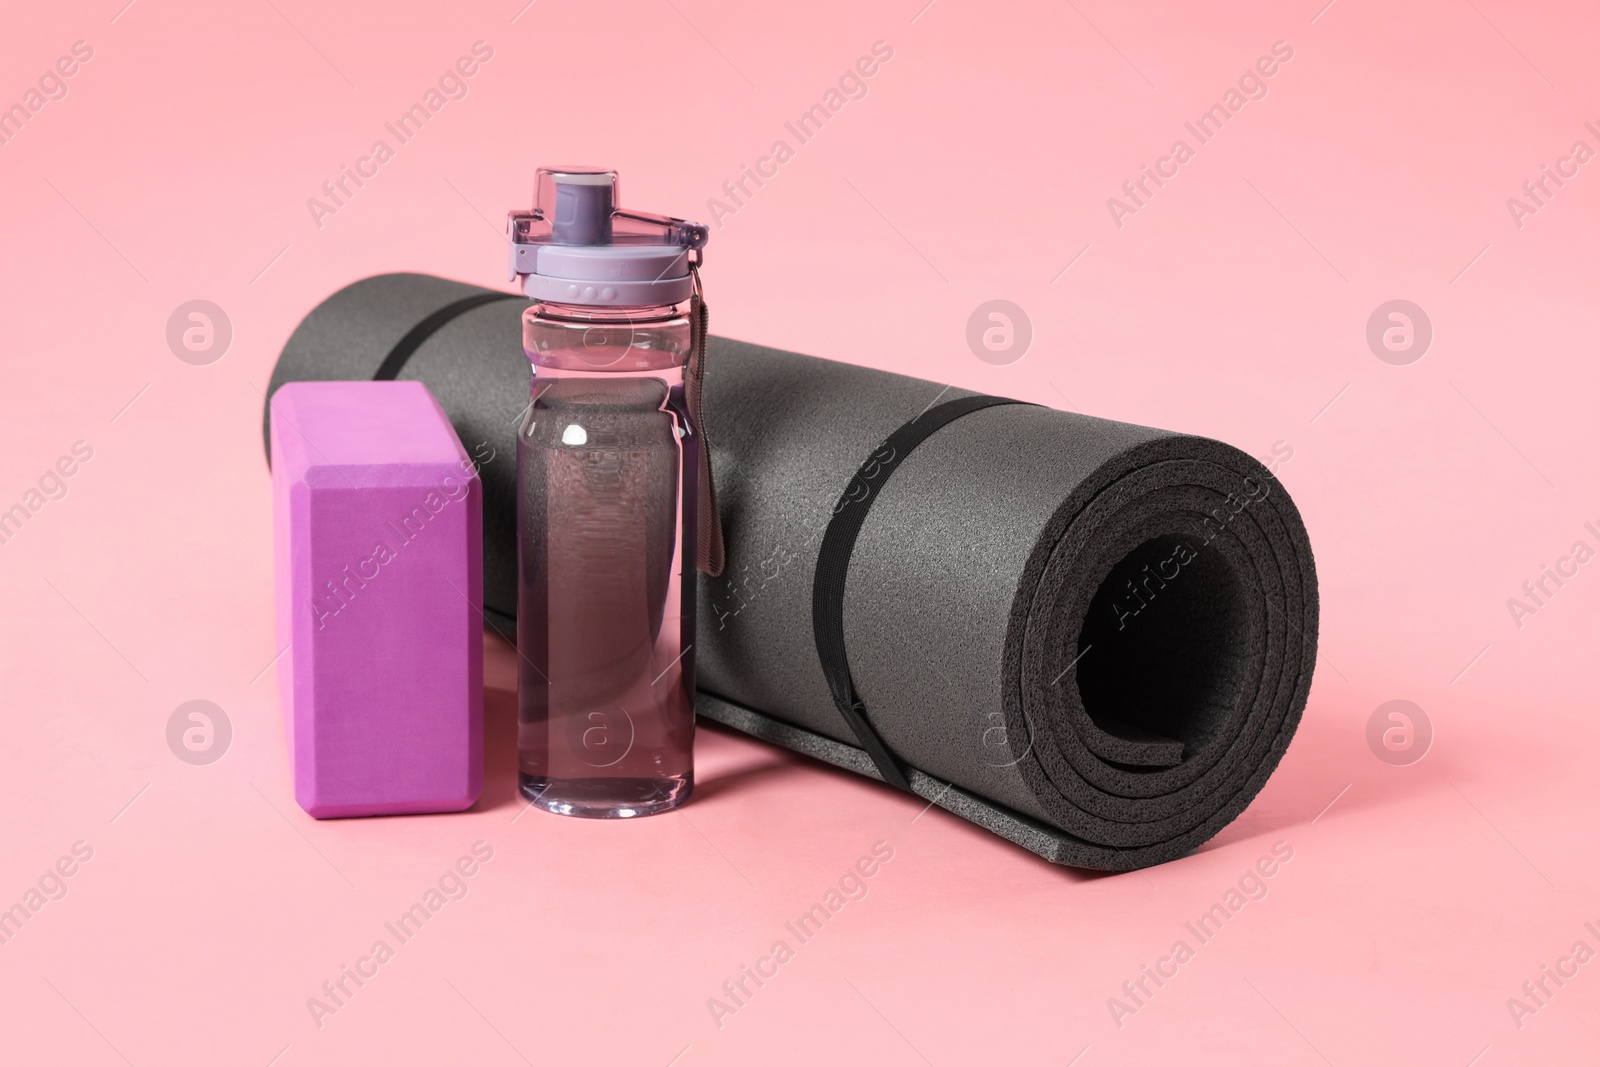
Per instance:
x=377, y=531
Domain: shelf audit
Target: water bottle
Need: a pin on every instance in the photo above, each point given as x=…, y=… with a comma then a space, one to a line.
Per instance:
x=609, y=482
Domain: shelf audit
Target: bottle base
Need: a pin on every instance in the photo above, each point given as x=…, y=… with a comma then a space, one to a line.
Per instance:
x=605, y=798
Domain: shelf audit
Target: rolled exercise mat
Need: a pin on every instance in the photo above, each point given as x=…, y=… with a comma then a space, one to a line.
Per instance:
x=1091, y=638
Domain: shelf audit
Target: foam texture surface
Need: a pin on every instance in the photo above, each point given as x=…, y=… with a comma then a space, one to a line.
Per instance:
x=378, y=541
x=1094, y=639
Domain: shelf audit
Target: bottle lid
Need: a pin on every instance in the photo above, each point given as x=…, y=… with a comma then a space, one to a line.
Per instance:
x=577, y=246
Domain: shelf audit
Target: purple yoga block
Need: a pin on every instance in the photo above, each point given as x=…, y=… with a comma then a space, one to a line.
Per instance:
x=377, y=530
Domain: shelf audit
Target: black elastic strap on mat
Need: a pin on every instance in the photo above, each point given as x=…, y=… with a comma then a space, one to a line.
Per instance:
x=413, y=340
x=833, y=564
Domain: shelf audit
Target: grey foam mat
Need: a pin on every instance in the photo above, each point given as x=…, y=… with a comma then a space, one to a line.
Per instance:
x=1094, y=639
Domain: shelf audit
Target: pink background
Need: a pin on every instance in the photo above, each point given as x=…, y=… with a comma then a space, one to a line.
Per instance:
x=1234, y=303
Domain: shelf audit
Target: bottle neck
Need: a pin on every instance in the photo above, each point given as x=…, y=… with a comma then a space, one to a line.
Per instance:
x=605, y=315
x=607, y=340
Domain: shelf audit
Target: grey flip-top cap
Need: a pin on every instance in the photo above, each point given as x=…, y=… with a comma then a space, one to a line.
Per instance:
x=578, y=247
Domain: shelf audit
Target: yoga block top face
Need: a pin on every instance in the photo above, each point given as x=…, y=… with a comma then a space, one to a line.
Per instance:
x=377, y=517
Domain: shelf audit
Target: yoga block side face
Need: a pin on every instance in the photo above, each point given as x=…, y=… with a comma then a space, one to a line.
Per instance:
x=377, y=516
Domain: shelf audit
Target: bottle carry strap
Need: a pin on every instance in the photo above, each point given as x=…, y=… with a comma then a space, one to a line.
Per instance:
x=709, y=551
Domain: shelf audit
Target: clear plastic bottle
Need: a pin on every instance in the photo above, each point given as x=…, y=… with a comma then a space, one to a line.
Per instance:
x=607, y=461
